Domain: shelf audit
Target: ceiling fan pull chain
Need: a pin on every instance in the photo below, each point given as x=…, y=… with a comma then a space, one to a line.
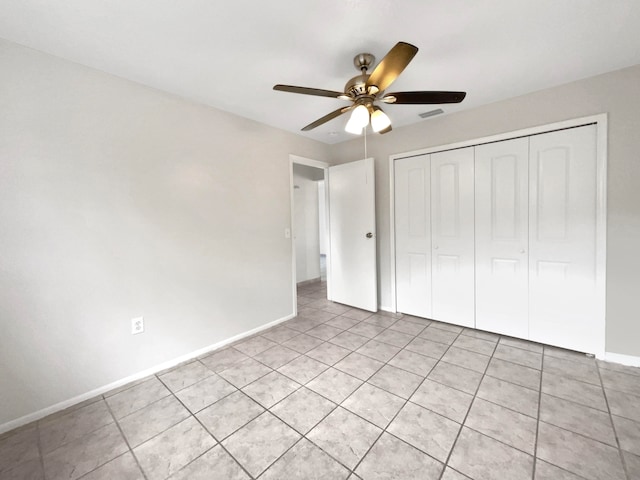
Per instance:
x=365, y=141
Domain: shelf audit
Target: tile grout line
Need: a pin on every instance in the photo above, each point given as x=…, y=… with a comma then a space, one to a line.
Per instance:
x=304, y=435
x=115, y=420
x=462, y=424
x=206, y=430
x=281, y=400
x=40, y=452
x=403, y=406
x=383, y=430
x=613, y=426
x=535, y=445
x=337, y=405
x=448, y=346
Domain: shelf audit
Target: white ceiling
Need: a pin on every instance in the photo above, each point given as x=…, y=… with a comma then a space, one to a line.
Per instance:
x=229, y=54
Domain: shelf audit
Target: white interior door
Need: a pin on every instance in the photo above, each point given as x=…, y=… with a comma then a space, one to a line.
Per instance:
x=452, y=224
x=562, y=260
x=352, y=228
x=412, y=178
x=502, y=237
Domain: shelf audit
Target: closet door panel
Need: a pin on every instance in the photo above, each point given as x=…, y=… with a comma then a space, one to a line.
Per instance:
x=502, y=237
x=452, y=224
x=562, y=259
x=413, y=235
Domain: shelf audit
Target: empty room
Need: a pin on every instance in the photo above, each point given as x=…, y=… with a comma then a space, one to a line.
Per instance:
x=337, y=240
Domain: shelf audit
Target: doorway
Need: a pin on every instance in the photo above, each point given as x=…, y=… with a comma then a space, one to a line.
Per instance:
x=309, y=223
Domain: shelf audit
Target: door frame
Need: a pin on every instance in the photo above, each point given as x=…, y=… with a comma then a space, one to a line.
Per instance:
x=296, y=159
x=600, y=120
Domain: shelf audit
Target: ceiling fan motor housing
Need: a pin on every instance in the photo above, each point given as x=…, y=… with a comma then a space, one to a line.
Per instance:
x=357, y=86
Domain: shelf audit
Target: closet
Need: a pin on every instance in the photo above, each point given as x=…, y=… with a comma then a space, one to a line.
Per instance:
x=502, y=237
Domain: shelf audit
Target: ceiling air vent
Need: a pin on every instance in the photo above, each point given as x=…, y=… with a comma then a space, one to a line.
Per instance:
x=431, y=113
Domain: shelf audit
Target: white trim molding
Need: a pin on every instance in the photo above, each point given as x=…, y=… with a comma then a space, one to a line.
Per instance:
x=628, y=360
x=32, y=417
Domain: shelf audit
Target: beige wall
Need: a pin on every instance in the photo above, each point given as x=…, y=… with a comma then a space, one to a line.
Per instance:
x=616, y=93
x=118, y=201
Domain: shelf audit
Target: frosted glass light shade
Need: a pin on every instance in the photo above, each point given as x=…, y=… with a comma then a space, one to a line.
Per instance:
x=360, y=115
x=379, y=120
x=359, y=119
x=353, y=127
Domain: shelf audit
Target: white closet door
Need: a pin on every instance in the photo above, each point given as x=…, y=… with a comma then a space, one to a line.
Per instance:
x=452, y=224
x=413, y=235
x=502, y=237
x=562, y=260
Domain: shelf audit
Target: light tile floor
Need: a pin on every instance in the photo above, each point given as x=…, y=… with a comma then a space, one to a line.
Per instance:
x=340, y=393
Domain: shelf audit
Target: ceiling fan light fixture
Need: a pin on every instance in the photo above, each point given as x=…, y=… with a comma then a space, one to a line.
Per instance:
x=359, y=119
x=360, y=115
x=365, y=89
x=353, y=127
x=379, y=120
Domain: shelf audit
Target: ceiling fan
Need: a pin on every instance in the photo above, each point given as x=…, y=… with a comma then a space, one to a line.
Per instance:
x=364, y=90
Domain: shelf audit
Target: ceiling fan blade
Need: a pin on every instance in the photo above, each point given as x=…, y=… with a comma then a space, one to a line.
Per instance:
x=326, y=118
x=392, y=65
x=308, y=91
x=423, y=98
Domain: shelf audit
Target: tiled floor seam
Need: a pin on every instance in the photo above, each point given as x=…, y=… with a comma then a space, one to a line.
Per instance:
x=613, y=425
x=368, y=421
x=144, y=474
x=285, y=422
x=462, y=424
x=212, y=436
x=67, y=442
x=40, y=452
x=535, y=445
x=398, y=412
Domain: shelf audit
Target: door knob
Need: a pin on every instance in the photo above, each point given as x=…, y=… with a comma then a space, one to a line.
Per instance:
x=436, y=247
x=369, y=235
x=522, y=251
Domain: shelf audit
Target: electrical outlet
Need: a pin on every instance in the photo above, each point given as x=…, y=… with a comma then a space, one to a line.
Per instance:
x=137, y=325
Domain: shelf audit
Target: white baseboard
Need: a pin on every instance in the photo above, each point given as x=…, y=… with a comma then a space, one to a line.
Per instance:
x=629, y=360
x=386, y=309
x=32, y=417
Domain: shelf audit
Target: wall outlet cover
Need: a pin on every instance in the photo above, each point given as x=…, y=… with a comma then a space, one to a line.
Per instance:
x=137, y=325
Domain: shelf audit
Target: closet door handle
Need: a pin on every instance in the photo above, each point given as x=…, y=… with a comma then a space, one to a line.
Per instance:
x=436, y=247
x=522, y=251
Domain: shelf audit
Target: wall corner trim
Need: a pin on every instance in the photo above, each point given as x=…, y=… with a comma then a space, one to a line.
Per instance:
x=32, y=417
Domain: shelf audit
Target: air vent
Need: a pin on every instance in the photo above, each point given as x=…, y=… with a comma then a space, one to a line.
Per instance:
x=431, y=113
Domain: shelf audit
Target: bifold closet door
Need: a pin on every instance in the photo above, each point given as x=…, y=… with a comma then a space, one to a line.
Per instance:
x=502, y=237
x=413, y=235
x=452, y=236
x=562, y=257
